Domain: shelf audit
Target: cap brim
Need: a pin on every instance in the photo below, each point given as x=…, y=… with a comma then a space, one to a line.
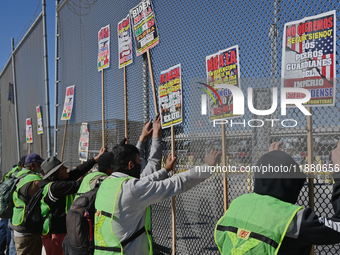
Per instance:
x=40, y=160
x=53, y=170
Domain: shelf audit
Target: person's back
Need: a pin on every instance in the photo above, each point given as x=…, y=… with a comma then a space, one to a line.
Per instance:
x=268, y=217
x=25, y=242
x=122, y=220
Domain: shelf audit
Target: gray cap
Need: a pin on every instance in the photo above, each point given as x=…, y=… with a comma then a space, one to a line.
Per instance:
x=51, y=165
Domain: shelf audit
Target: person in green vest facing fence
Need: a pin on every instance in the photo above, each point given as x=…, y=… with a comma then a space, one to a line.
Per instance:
x=122, y=221
x=16, y=169
x=268, y=221
x=26, y=243
x=59, y=189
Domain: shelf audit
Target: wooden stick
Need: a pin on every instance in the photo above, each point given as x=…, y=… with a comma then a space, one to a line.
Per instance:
x=173, y=199
x=152, y=81
x=63, y=148
x=41, y=145
x=29, y=149
x=224, y=163
x=310, y=162
x=103, y=110
x=125, y=105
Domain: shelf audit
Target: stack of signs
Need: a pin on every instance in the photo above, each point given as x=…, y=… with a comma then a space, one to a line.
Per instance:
x=29, y=133
x=170, y=96
x=83, y=142
x=222, y=68
x=68, y=105
x=144, y=26
x=124, y=42
x=104, y=48
x=39, y=120
x=309, y=58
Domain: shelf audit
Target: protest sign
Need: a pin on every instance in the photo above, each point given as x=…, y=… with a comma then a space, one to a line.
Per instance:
x=103, y=61
x=309, y=58
x=39, y=120
x=144, y=26
x=124, y=42
x=29, y=134
x=83, y=142
x=222, y=68
x=68, y=105
x=170, y=96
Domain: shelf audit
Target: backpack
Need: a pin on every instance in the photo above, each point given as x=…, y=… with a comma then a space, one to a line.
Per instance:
x=33, y=221
x=80, y=221
x=7, y=189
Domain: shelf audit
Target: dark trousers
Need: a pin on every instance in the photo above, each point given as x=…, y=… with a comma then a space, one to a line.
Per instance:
x=70, y=250
x=5, y=236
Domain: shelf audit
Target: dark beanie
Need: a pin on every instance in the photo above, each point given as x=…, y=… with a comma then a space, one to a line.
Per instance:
x=105, y=161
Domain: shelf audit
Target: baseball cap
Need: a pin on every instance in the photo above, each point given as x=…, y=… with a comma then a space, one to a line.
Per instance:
x=33, y=158
x=104, y=162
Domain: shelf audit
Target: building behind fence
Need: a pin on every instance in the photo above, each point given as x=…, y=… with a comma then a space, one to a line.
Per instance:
x=189, y=31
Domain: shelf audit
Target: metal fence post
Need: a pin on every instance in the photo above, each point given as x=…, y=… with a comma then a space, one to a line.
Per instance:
x=15, y=101
x=47, y=93
x=145, y=73
x=56, y=78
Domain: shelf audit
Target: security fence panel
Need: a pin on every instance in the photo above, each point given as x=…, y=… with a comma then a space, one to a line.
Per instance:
x=30, y=80
x=188, y=32
x=9, y=155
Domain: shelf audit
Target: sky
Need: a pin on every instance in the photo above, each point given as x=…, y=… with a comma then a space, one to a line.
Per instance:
x=15, y=16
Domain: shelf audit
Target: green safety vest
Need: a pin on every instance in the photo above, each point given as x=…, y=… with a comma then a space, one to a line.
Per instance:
x=105, y=240
x=46, y=210
x=14, y=171
x=254, y=224
x=85, y=184
x=19, y=205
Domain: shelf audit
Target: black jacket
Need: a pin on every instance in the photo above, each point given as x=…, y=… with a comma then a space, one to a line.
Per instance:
x=56, y=198
x=307, y=228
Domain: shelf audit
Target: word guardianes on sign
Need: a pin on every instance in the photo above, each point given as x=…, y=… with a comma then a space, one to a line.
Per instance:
x=309, y=57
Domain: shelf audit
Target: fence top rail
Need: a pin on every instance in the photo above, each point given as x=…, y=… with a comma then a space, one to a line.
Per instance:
x=37, y=20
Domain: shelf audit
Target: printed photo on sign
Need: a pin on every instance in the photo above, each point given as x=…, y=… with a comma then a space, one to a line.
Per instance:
x=170, y=96
x=124, y=42
x=39, y=121
x=103, y=48
x=144, y=26
x=309, y=58
x=68, y=105
x=83, y=142
x=222, y=68
x=29, y=133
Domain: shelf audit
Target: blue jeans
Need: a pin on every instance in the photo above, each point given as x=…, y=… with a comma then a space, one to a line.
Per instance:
x=5, y=236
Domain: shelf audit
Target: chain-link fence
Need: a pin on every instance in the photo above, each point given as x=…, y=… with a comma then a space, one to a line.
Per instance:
x=190, y=31
x=29, y=82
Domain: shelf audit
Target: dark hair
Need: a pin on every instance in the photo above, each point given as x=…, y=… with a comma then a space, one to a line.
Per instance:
x=53, y=177
x=122, y=155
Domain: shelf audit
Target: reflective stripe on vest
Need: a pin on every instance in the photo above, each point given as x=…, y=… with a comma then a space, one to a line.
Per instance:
x=46, y=210
x=19, y=205
x=254, y=224
x=105, y=240
x=85, y=184
x=14, y=172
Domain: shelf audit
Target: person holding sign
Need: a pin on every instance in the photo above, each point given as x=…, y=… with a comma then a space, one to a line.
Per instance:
x=126, y=195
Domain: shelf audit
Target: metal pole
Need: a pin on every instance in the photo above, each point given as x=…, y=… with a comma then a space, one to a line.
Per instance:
x=47, y=93
x=173, y=199
x=310, y=162
x=125, y=106
x=15, y=101
x=56, y=92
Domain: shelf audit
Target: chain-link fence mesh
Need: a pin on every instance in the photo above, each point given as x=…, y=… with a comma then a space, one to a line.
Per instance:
x=189, y=31
x=30, y=88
